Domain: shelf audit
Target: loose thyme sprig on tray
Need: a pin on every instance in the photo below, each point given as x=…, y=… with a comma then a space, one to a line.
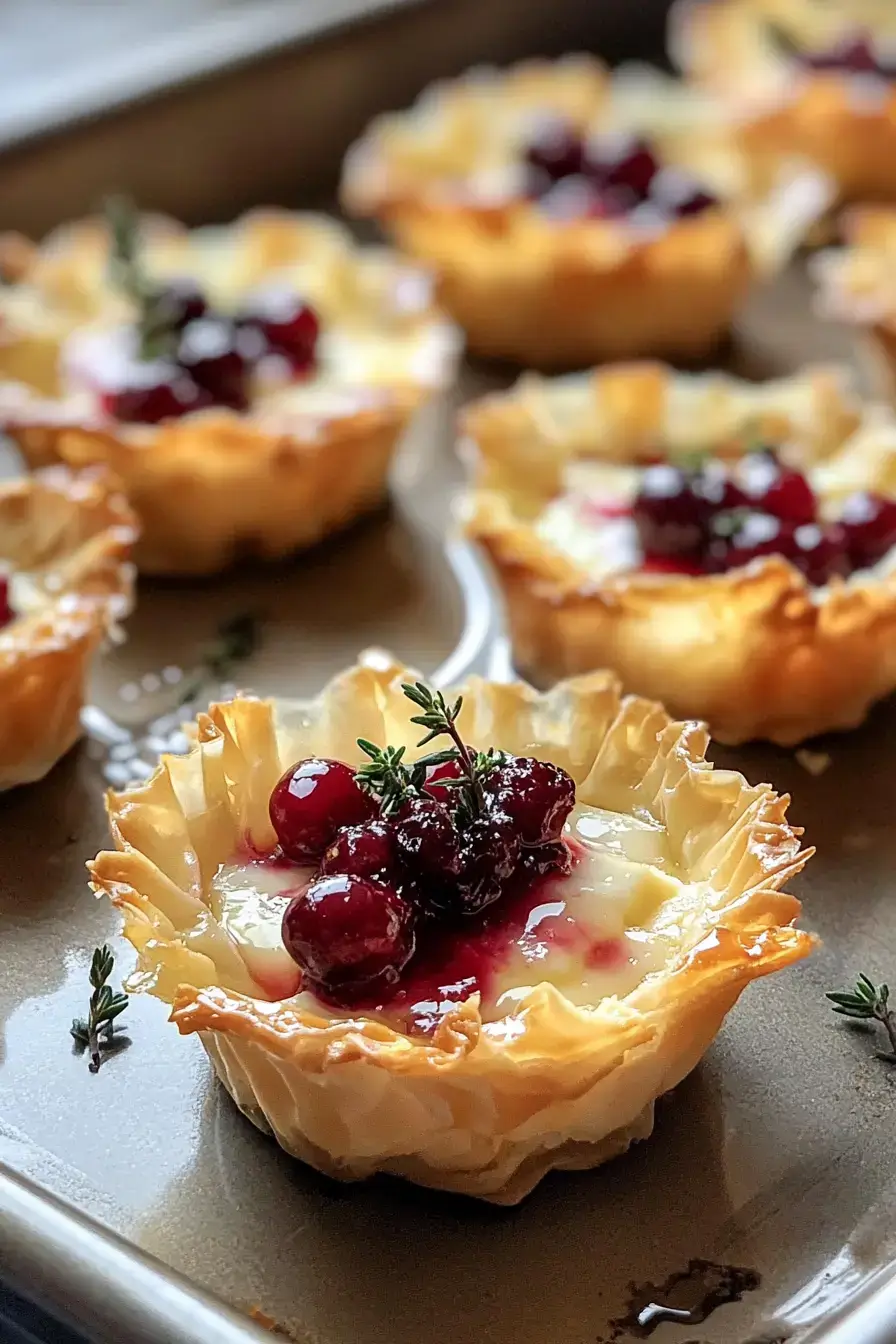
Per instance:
x=95, y=1032
x=868, y=1003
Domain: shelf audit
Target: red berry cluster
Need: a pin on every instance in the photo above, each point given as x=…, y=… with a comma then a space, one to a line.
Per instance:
x=6, y=612
x=212, y=356
x=714, y=518
x=606, y=176
x=854, y=54
x=389, y=865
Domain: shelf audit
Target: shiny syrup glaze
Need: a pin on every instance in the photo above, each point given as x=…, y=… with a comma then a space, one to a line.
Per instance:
x=452, y=963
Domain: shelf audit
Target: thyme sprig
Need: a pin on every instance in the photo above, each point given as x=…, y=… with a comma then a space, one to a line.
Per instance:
x=156, y=318
x=95, y=1032
x=440, y=720
x=393, y=781
x=236, y=639
x=868, y=1003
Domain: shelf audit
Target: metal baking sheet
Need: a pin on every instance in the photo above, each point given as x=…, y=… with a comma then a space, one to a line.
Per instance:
x=774, y=1157
x=772, y=1161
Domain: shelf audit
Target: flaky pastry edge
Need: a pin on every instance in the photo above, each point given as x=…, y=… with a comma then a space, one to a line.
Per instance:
x=553, y=294
x=216, y=486
x=484, y=1109
x=718, y=45
x=45, y=657
x=755, y=652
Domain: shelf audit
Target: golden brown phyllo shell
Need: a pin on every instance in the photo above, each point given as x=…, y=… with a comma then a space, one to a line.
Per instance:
x=442, y=178
x=485, y=1108
x=70, y=535
x=215, y=485
x=745, y=52
x=756, y=652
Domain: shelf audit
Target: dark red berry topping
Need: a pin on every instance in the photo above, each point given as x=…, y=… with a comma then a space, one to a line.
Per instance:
x=6, y=612
x=777, y=489
x=178, y=302
x=678, y=194
x=314, y=800
x=621, y=160
x=349, y=934
x=669, y=513
x=288, y=324
x=536, y=796
x=427, y=839
x=555, y=148
x=490, y=851
x=367, y=850
x=855, y=54
x=155, y=391
x=544, y=859
x=869, y=522
x=210, y=353
x=820, y=552
x=436, y=773
x=738, y=540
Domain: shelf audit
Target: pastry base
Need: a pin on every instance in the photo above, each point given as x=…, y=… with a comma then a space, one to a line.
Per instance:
x=480, y=1108
x=45, y=658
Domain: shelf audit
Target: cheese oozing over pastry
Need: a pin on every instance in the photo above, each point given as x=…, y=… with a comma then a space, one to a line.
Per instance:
x=618, y=916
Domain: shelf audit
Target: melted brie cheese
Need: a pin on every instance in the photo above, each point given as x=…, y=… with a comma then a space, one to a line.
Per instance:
x=619, y=916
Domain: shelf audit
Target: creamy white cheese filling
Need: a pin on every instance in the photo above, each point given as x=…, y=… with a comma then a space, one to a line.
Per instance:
x=620, y=915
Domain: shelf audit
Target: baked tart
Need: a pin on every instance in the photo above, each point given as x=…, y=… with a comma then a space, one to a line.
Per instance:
x=572, y=216
x=817, y=80
x=728, y=548
x=248, y=385
x=65, y=581
x=857, y=285
x=466, y=967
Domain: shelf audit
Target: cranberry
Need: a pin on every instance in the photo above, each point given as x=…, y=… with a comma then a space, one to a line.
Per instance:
x=778, y=490
x=555, y=148
x=751, y=536
x=154, y=391
x=288, y=324
x=427, y=839
x=869, y=522
x=668, y=514
x=854, y=54
x=348, y=933
x=820, y=552
x=178, y=302
x=617, y=159
x=210, y=353
x=537, y=797
x=679, y=194
x=490, y=852
x=314, y=800
x=365, y=851
x=442, y=794
x=6, y=612
x=544, y=859
x=717, y=489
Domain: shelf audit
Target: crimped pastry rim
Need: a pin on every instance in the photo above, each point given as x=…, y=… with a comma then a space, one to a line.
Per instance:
x=768, y=854
x=44, y=656
x=329, y=457
x=777, y=609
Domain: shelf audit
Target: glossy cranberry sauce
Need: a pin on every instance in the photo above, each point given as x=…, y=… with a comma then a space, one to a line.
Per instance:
x=455, y=961
x=202, y=358
x=855, y=54
x=606, y=176
x=718, y=516
x=6, y=612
